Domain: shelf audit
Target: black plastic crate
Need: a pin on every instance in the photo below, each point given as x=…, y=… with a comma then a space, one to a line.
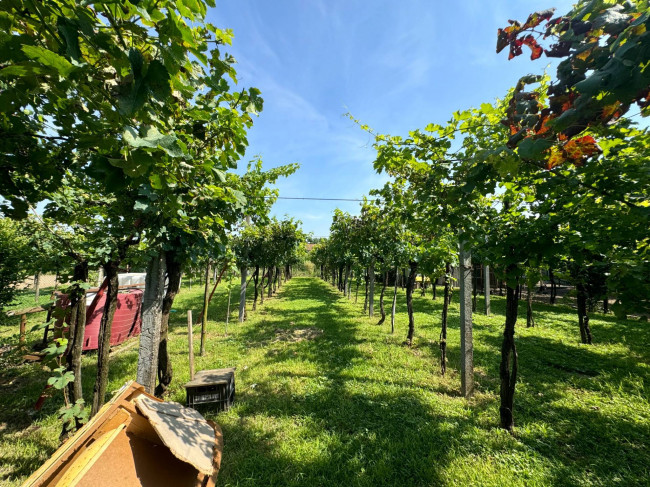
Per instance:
x=215, y=388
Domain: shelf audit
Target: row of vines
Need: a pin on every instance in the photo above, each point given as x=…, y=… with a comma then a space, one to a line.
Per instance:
x=553, y=177
x=121, y=127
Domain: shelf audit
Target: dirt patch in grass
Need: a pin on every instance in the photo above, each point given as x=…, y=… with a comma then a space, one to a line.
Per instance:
x=297, y=334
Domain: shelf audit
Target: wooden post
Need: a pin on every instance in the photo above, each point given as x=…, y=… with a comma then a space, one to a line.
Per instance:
x=37, y=286
x=23, y=323
x=204, y=313
x=47, y=327
x=466, y=345
x=190, y=341
x=392, y=311
x=242, y=294
x=371, y=297
x=228, y=309
x=486, y=282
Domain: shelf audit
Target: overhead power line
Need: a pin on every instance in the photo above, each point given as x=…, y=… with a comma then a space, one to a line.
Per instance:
x=313, y=199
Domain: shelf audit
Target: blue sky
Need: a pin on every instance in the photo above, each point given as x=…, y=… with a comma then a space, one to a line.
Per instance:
x=394, y=65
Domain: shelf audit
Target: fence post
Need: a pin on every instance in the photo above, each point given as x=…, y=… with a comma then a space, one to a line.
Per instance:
x=486, y=282
x=466, y=345
x=190, y=341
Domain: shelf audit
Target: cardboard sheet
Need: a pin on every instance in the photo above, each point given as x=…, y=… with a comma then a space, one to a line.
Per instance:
x=183, y=430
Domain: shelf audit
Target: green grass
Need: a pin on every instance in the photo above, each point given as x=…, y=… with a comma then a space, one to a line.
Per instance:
x=354, y=406
x=25, y=299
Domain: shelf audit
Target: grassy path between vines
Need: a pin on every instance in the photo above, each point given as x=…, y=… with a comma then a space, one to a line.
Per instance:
x=327, y=397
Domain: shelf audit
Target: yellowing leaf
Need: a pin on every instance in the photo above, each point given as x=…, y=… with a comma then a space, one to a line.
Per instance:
x=555, y=159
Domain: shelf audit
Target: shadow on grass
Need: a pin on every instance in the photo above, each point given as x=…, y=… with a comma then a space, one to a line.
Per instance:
x=317, y=417
x=375, y=432
x=376, y=439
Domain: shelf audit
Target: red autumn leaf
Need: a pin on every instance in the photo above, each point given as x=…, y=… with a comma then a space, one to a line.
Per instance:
x=537, y=18
x=502, y=40
x=515, y=48
x=508, y=35
x=573, y=150
x=542, y=128
x=536, y=49
x=561, y=102
x=579, y=149
x=588, y=145
x=556, y=21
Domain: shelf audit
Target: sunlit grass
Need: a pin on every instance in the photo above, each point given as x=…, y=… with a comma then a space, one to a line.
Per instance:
x=353, y=406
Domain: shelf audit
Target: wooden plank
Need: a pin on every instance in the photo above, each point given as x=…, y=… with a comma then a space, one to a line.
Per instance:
x=23, y=325
x=88, y=458
x=71, y=447
x=190, y=340
x=218, y=450
x=27, y=311
x=120, y=288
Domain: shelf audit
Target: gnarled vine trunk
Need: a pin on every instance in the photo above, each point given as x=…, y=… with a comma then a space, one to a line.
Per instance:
x=256, y=277
x=151, y=321
x=583, y=317
x=410, y=283
x=104, y=339
x=381, y=299
x=165, y=369
x=551, y=278
x=508, y=367
x=77, y=300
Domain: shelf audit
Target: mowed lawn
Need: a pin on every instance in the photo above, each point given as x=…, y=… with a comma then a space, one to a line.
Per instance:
x=327, y=397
